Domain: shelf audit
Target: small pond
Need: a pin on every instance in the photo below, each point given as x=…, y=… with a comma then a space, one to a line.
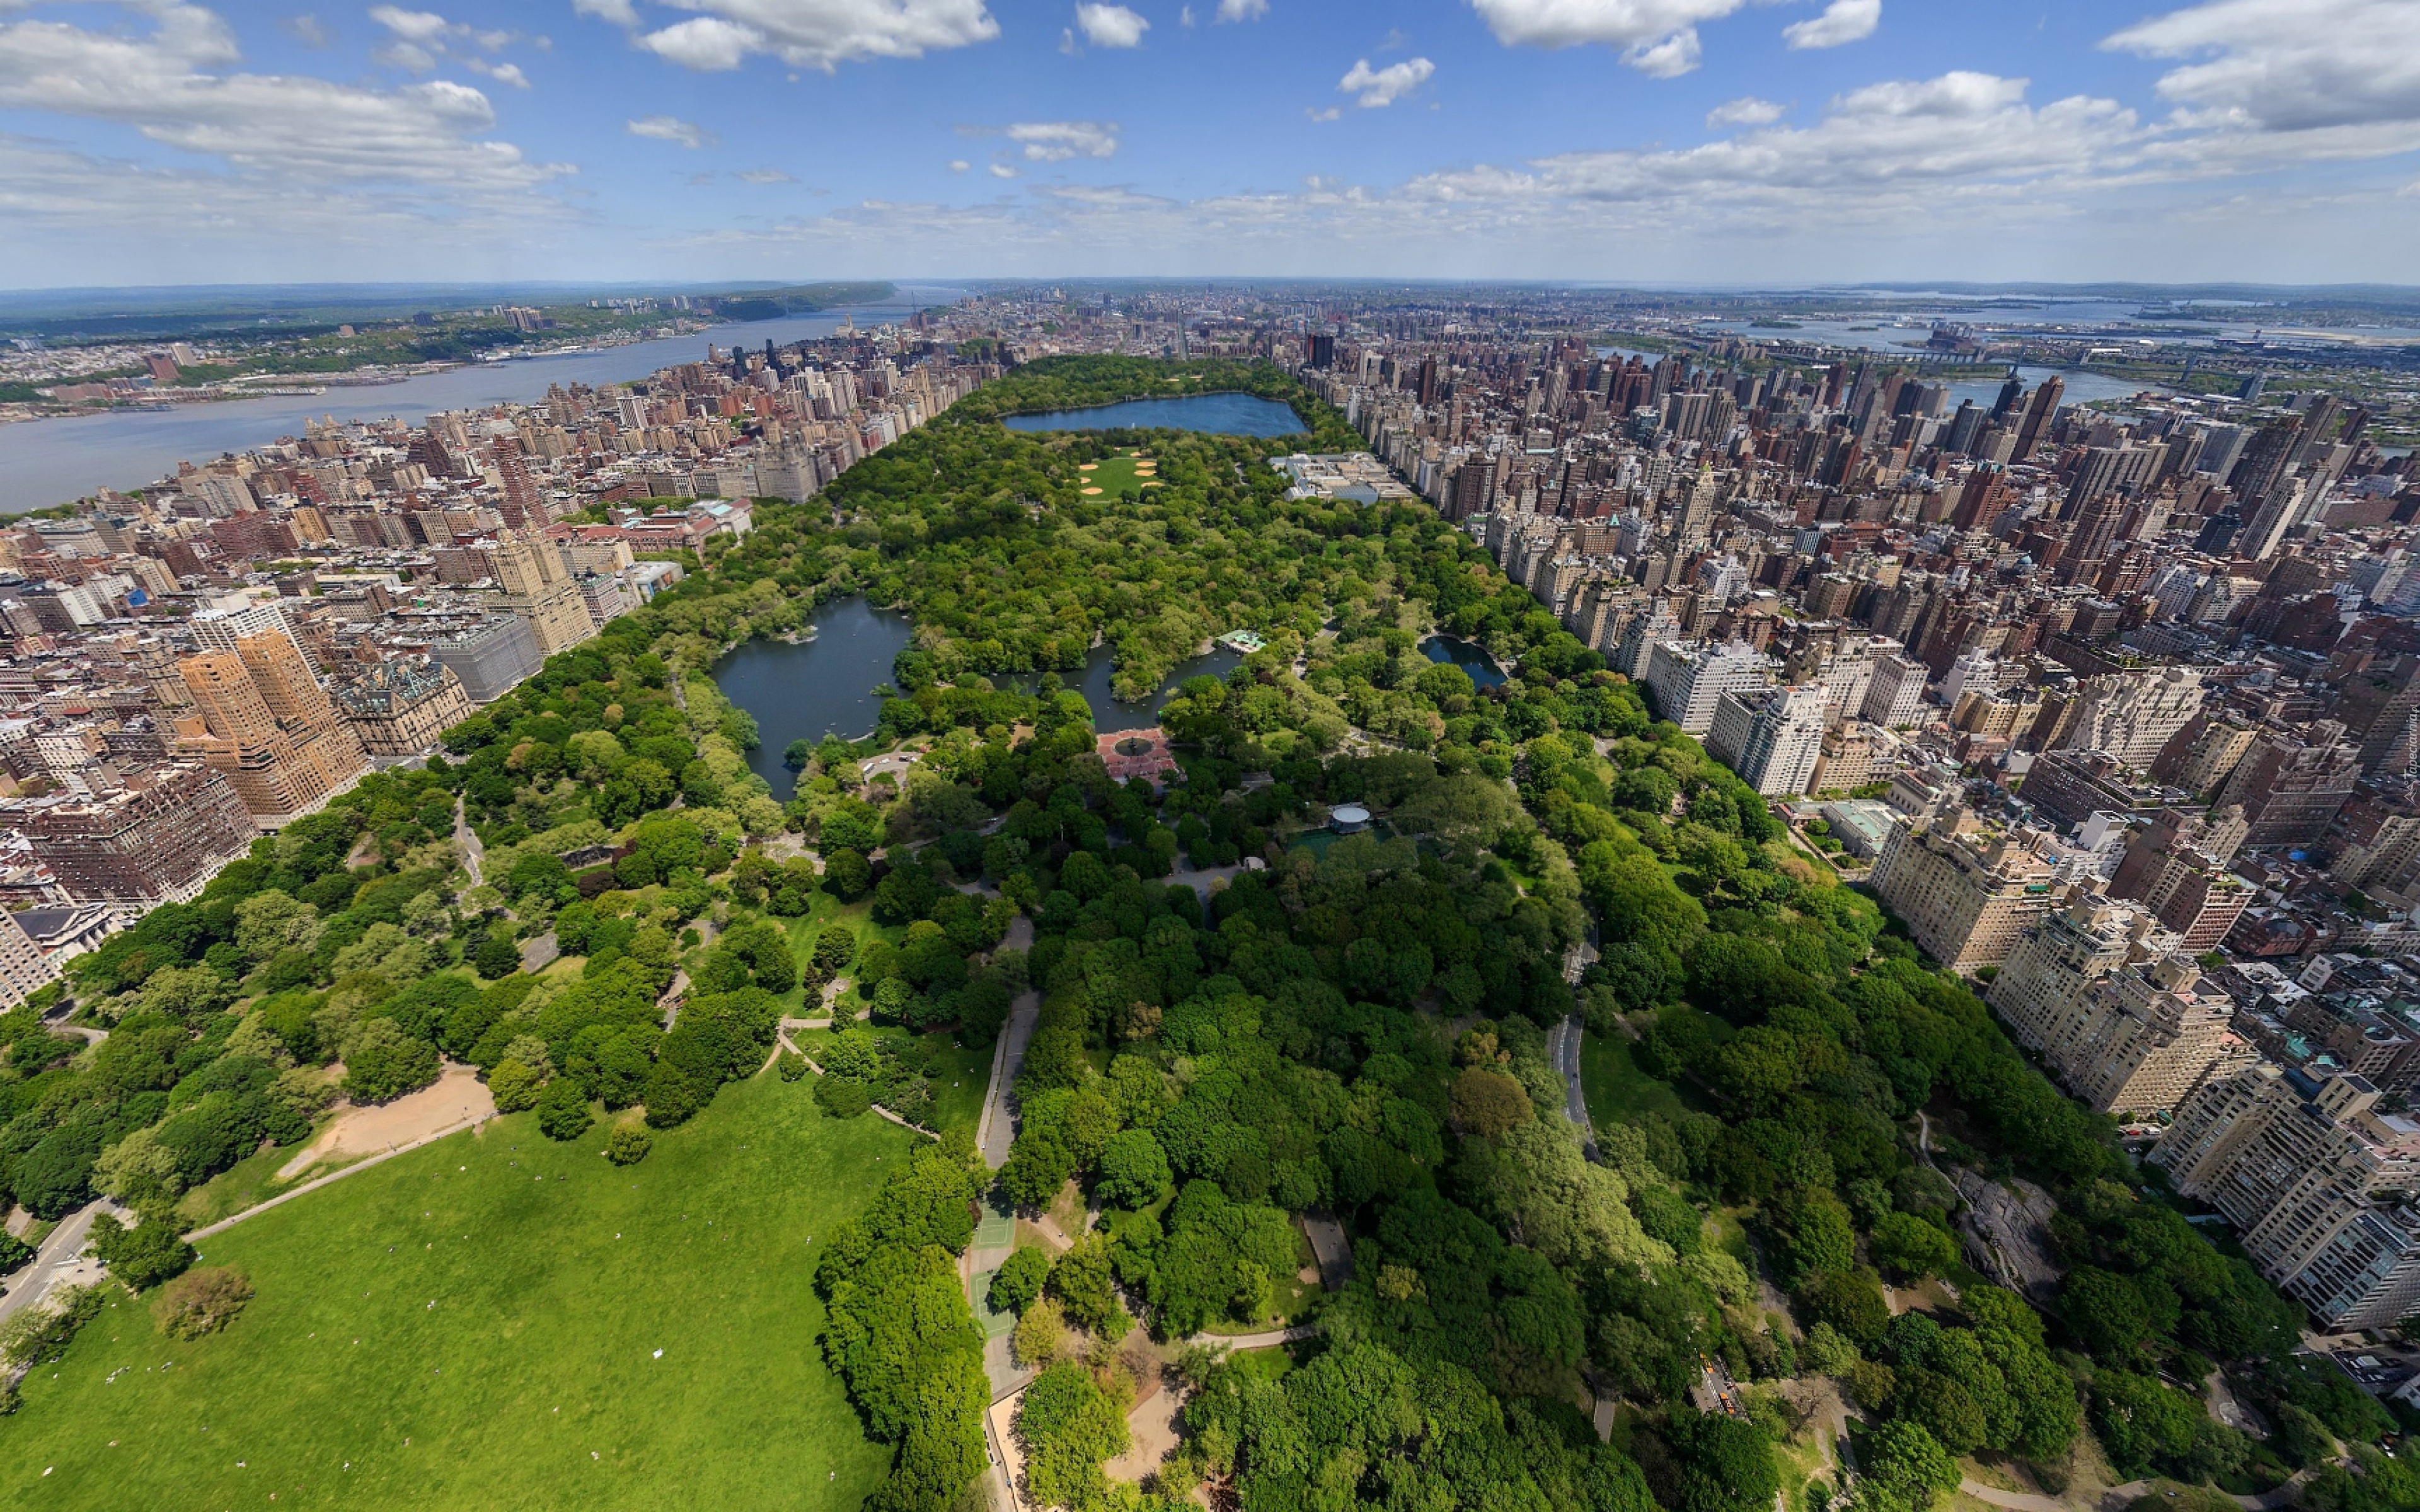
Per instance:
x=1224, y=414
x=1467, y=655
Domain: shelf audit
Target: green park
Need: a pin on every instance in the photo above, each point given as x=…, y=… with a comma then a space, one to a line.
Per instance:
x=698, y=1260
x=496, y=1319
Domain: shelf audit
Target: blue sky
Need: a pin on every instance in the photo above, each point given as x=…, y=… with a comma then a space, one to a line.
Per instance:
x=1774, y=141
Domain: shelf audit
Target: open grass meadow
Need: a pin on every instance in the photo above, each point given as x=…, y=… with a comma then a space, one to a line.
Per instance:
x=1616, y=1088
x=1119, y=474
x=476, y=1325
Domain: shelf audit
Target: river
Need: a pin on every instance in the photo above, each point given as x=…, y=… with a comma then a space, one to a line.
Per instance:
x=45, y=462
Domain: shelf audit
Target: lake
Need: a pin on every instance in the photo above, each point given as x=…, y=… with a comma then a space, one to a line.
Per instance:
x=1224, y=414
x=817, y=687
x=45, y=462
x=824, y=686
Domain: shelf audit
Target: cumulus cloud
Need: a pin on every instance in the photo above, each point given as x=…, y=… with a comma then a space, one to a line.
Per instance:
x=1331, y=114
x=1841, y=23
x=1656, y=37
x=960, y=165
x=673, y=129
x=1001, y=170
x=1243, y=10
x=1376, y=87
x=809, y=33
x=2286, y=65
x=707, y=44
x=1058, y=141
x=176, y=84
x=1745, y=111
x=1106, y=25
x=421, y=27
x=509, y=73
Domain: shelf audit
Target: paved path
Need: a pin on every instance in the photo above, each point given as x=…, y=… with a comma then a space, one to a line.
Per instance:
x=466, y=840
x=997, y=1130
x=354, y=1169
x=56, y=1262
x=1257, y=1341
x=1563, y=1047
x=2118, y=1496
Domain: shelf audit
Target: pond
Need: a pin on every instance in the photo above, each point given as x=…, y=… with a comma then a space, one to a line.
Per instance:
x=825, y=686
x=1224, y=414
x=818, y=687
x=1108, y=713
x=1467, y=655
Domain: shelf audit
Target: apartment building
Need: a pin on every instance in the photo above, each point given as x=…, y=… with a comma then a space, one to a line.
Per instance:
x=1968, y=893
x=2316, y=1180
x=1686, y=683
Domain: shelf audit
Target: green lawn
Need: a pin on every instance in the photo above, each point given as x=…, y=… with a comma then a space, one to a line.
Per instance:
x=1614, y=1085
x=251, y=1182
x=509, y=1361
x=960, y=1075
x=1115, y=475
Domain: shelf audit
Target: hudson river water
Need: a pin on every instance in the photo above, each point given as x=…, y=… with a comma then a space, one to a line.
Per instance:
x=45, y=462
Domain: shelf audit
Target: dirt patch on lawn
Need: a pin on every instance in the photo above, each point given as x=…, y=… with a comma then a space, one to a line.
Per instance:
x=458, y=1096
x=1152, y=1433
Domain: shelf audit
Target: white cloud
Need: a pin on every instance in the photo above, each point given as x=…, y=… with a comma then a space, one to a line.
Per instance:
x=2287, y=65
x=1185, y=16
x=1673, y=57
x=1383, y=86
x=170, y=84
x=766, y=175
x=410, y=58
x=673, y=129
x=1745, y=111
x=1058, y=141
x=960, y=165
x=1107, y=26
x=1331, y=112
x=1243, y=10
x=812, y=34
x=1001, y=170
x=1841, y=23
x=707, y=44
x=1067, y=41
x=307, y=29
x=1656, y=37
x=422, y=26
x=509, y=73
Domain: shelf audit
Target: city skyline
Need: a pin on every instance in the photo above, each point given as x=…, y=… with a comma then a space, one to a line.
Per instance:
x=1651, y=141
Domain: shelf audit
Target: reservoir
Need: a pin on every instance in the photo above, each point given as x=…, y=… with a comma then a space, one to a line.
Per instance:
x=1223, y=414
x=45, y=462
x=825, y=686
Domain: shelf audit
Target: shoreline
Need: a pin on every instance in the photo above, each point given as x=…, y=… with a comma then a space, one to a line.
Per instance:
x=310, y=385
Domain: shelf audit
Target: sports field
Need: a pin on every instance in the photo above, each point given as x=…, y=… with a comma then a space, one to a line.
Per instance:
x=476, y=1325
x=1122, y=474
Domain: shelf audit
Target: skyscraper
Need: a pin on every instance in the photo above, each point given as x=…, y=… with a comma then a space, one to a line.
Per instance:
x=2039, y=414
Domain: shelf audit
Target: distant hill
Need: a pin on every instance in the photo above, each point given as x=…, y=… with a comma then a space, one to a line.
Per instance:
x=803, y=299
